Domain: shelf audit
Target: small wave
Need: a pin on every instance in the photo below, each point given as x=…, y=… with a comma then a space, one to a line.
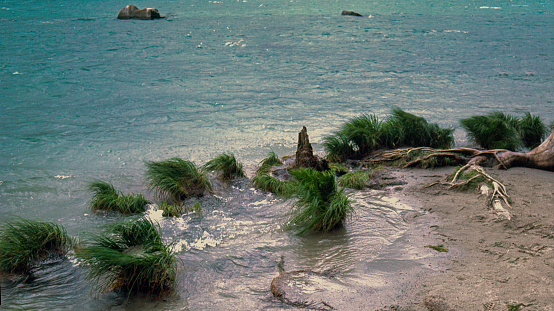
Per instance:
x=62, y=176
x=491, y=7
x=237, y=43
x=455, y=31
x=204, y=241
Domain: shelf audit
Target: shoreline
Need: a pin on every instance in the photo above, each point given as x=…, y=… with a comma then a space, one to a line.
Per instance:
x=492, y=263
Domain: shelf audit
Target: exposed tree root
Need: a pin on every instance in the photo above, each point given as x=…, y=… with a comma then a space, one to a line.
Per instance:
x=472, y=172
x=495, y=192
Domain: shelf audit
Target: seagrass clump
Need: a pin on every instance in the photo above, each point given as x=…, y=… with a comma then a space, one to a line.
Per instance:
x=365, y=134
x=176, y=179
x=321, y=206
x=268, y=183
x=170, y=210
x=269, y=162
x=355, y=180
x=24, y=243
x=498, y=130
x=227, y=166
x=107, y=198
x=130, y=257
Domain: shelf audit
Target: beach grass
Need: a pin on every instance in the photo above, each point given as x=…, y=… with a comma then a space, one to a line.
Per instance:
x=355, y=180
x=404, y=129
x=131, y=257
x=498, y=130
x=24, y=243
x=365, y=134
x=227, y=166
x=439, y=248
x=196, y=208
x=270, y=161
x=176, y=179
x=321, y=206
x=268, y=183
x=170, y=210
x=532, y=130
x=107, y=198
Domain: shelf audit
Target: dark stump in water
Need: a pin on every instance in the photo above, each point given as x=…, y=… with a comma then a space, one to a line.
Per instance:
x=305, y=157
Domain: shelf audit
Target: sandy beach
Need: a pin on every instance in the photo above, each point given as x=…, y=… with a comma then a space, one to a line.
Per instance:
x=492, y=263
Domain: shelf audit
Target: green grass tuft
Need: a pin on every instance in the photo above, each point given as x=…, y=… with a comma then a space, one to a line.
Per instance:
x=501, y=131
x=438, y=248
x=354, y=180
x=338, y=168
x=24, y=242
x=196, y=208
x=269, y=162
x=227, y=166
x=320, y=206
x=176, y=179
x=170, y=210
x=532, y=130
x=515, y=307
x=268, y=183
x=108, y=199
x=131, y=257
x=364, y=134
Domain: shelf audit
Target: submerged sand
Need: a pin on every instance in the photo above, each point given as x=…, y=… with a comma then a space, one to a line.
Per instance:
x=492, y=263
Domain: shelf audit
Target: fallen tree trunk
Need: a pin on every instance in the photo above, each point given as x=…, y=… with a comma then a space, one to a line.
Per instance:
x=541, y=157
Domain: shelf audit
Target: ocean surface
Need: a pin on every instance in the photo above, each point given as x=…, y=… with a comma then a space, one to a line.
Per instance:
x=84, y=96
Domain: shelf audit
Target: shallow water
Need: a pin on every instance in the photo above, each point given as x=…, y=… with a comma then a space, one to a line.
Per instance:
x=85, y=96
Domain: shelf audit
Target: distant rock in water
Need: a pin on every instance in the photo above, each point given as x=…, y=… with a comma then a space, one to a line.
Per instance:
x=345, y=12
x=305, y=155
x=132, y=12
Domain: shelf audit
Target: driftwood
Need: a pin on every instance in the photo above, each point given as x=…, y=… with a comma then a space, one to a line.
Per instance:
x=472, y=161
x=542, y=157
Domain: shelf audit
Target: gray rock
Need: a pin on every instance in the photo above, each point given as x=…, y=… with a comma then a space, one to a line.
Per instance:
x=132, y=12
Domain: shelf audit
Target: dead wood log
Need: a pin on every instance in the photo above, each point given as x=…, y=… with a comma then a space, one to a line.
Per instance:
x=541, y=157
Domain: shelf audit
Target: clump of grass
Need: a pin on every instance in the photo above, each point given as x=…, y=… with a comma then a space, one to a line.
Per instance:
x=269, y=162
x=364, y=134
x=501, y=131
x=196, y=208
x=515, y=307
x=338, y=168
x=532, y=130
x=108, y=199
x=438, y=248
x=131, y=257
x=227, y=166
x=321, y=206
x=406, y=129
x=268, y=183
x=24, y=242
x=170, y=210
x=176, y=179
x=354, y=180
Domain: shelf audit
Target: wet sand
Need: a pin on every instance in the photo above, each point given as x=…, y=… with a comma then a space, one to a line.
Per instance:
x=492, y=263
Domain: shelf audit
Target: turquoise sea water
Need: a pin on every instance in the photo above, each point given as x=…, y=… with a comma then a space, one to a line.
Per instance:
x=85, y=96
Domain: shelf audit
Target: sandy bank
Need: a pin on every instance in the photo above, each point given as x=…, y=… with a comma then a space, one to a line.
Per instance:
x=492, y=263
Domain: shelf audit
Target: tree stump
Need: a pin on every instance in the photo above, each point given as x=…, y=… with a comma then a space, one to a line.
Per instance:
x=305, y=157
